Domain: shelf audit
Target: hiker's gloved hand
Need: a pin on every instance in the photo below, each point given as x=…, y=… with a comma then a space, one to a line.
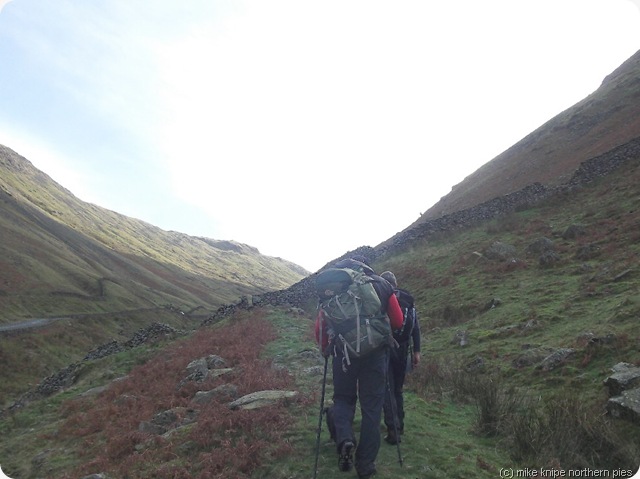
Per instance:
x=416, y=359
x=326, y=352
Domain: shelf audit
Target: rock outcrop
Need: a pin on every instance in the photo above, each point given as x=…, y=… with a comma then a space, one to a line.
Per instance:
x=624, y=389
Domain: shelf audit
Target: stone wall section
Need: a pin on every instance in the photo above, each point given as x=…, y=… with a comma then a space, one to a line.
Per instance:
x=300, y=294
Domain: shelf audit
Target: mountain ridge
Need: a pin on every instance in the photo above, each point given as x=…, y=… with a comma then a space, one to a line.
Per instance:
x=504, y=274
x=53, y=242
x=607, y=118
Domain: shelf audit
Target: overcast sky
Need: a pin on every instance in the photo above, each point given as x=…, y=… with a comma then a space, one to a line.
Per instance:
x=305, y=129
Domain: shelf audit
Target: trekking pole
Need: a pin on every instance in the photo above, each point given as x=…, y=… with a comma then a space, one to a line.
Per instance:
x=394, y=412
x=324, y=382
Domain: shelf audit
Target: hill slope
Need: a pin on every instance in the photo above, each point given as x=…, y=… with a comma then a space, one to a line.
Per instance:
x=545, y=297
x=605, y=119
x=493, y=403
x=60, y=256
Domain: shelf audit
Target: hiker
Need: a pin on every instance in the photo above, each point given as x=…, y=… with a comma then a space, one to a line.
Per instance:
x=408, y=339
x=363, y=376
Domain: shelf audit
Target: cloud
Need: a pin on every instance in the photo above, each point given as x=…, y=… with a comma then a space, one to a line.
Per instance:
x=334, y=114
x=2, y=5
x=636, y=3
x=345, y=90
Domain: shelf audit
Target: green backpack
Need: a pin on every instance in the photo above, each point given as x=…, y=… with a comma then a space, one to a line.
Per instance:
x=352, y=309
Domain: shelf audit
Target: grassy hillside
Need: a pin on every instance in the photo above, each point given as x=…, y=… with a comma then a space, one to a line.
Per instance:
x=546, y=299
x=101, y=276
x=61, y=256
x=608, y=117
x=582, y=295
x=472, y=411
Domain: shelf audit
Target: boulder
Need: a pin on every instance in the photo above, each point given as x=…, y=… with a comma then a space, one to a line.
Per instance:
x=214, y=361
x=499, y=251
x=625, y=377
x=531, y=356
x=261, y=399
x=626, y=406
x=623, y=386
x=556, y=358
x=205, y=368
x=224, y=391
x=198, y=367
x=573, y=231
x=540, y=246
x=461, y=338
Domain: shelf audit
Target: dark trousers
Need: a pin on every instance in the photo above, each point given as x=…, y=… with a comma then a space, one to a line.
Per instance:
x=397, y=373
x=366, y=378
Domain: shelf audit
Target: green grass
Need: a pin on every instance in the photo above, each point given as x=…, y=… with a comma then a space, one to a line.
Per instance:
x=438, y=443
x=26, y=358
x=558, y=304
x=449, y=430
x=441, y=440
x=61, y=256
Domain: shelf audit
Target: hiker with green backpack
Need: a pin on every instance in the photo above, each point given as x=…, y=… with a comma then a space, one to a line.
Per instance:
x=408, y=339
x=357, y=311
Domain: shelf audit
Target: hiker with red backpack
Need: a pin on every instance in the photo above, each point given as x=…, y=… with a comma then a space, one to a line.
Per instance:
x=357, y=312
x=408, y=339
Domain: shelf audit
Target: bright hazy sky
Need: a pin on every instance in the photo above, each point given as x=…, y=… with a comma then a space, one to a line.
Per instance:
x=305, y=129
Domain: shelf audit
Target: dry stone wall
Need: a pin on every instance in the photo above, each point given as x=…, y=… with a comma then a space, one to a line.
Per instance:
x=299, y=294
x=302, y=293
x=67, y=376
x=529, y=196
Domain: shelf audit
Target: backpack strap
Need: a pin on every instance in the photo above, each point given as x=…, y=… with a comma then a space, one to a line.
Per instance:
x=355, y=303
x=346, y=361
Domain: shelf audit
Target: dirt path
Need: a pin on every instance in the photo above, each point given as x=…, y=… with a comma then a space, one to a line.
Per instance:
x=28, y=324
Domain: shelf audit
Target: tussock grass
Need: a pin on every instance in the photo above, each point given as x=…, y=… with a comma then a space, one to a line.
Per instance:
x=564, y=430
x=539, y=417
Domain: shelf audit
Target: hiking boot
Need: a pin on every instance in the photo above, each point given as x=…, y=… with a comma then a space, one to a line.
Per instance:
x=391, y=437
x=345, y=459
x=367, y=472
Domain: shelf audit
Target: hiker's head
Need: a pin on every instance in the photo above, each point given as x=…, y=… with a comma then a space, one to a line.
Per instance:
x=389, y=276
